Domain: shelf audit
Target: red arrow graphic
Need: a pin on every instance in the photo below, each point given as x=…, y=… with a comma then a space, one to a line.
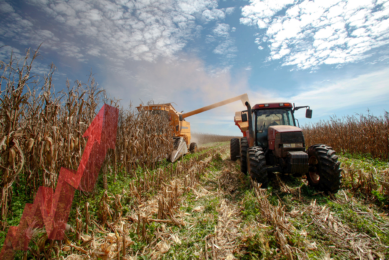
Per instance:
x=51, y=209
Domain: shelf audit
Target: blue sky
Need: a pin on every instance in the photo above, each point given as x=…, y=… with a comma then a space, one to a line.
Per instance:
x=331, y=55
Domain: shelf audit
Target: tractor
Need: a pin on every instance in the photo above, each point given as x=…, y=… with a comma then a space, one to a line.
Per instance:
x=273, y=143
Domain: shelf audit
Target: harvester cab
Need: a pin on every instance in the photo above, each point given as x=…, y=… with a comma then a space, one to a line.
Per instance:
x=180, y=127
x=273, y=143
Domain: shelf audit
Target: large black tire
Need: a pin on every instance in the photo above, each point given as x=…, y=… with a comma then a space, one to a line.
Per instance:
x=324, y=173
x=234, y=149
x=257, y=166
x=244, y=145
x=193, y=148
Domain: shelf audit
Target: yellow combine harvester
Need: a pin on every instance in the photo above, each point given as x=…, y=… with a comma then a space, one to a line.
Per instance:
x=180, y=127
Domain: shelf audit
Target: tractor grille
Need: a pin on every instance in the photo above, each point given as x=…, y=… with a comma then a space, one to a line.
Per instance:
x=292, y=137
x=298, y=162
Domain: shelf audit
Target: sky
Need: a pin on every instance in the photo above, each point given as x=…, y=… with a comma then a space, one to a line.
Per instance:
x=331, y=55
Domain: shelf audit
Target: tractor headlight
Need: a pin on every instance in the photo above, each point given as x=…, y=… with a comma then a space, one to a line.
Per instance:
x=297, y=145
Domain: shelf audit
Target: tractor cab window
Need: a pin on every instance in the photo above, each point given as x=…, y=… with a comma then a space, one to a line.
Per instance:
x=266, y=118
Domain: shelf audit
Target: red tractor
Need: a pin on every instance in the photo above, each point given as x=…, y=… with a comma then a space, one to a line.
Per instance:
x=273, y=143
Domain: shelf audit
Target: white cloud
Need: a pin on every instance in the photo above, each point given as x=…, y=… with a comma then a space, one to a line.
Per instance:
x=221, y=30
x=140, y=30
x=214, y=14
x=349, y=92
x=311, y=33
x=209, y=39
x=6, y=8
x=261, y=10
x=226, y=47
x=230, y=10
x=93, y=15
x=5, y=52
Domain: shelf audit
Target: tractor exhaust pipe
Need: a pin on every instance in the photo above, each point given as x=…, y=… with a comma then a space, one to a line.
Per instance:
x=251, y=132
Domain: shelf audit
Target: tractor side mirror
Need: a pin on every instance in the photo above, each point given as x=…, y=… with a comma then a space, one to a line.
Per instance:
x=244, y=117
x=308, y=113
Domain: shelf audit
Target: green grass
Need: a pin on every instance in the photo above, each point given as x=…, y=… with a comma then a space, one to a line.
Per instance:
x=200, y=224
x=262, y=242
x=376, y=162
x=115, y=186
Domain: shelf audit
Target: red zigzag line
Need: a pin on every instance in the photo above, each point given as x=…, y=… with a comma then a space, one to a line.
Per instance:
x=52, y=210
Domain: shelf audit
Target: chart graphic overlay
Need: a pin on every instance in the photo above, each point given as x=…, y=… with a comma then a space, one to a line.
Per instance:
x=51, y=209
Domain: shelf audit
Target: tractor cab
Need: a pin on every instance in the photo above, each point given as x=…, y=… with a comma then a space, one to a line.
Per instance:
x=266, y=115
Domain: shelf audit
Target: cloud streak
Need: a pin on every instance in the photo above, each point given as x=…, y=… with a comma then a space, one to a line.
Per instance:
x=138, y=30
x=347, y=93
x=307, y=34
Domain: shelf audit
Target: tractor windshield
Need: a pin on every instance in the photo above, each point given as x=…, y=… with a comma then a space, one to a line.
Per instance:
x=266, y=118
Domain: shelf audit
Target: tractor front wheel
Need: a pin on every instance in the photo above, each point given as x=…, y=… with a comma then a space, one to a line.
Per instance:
x=324, y=173
x=244, y=145
x=257, y=166
x=234, y=149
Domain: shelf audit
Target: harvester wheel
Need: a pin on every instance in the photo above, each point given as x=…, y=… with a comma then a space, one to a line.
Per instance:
x=257, y=166
x=193, y=147
x=324, y=173
x=234, y=149
x=244, y=145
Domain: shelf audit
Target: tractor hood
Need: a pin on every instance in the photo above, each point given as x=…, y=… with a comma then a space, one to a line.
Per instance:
x=285, y=128
x=281, y=129
x=290, y=134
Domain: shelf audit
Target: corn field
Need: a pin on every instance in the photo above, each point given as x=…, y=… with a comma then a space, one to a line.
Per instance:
x=364, y=135
x=41, y=130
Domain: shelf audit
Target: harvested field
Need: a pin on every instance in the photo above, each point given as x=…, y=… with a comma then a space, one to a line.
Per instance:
x=200, y=207
x=205, y=208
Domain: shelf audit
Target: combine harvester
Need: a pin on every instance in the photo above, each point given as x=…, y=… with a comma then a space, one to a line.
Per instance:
x=273, y=143
x=180, y=127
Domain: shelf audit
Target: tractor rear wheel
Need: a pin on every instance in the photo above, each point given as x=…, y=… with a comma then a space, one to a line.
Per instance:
x=234, y=149
x=244, y=145
x=193, y=147
x=257, y=166
x=324, y=173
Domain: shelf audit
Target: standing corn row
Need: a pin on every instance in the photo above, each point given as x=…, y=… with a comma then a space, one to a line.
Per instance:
x=41, y=131
x=368, y=134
